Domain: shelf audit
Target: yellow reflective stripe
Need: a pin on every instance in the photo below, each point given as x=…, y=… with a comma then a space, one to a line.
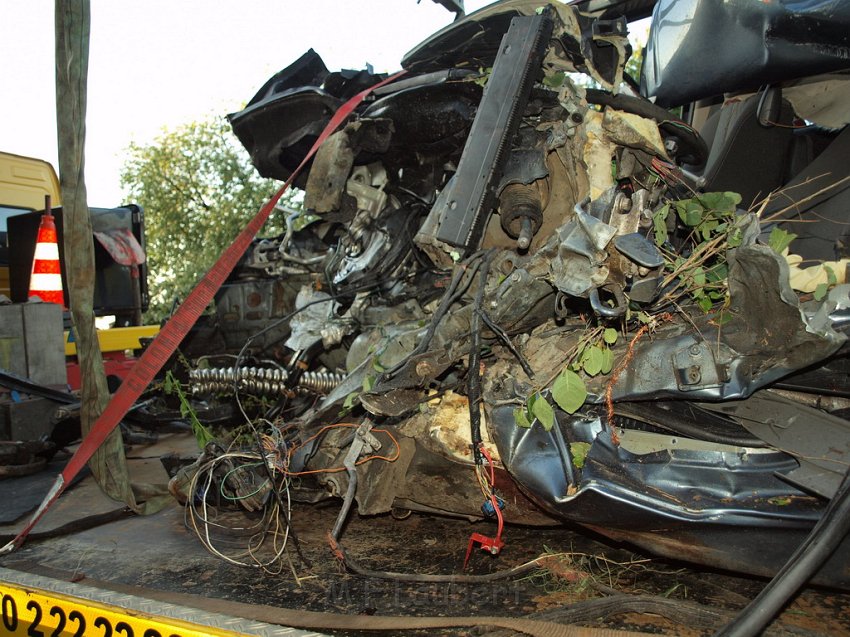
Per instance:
x=28, y=611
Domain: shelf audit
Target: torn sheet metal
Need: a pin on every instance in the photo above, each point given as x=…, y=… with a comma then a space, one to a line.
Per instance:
x=787, y=425
x=766, y=337
x=672, y=495
x=580, y=262
x=314, y=323
x=578, y=44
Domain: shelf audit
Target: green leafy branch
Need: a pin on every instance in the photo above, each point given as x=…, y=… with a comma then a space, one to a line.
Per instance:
x=591, y=356
x=703, y=274
x=172, y=386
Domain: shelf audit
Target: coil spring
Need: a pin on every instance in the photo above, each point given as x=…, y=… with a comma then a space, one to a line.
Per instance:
x=260, y=381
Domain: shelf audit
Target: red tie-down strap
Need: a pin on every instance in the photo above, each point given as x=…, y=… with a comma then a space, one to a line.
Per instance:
x=176, y=328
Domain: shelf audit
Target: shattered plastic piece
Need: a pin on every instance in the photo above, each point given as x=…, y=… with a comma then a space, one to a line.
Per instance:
x=311, y=324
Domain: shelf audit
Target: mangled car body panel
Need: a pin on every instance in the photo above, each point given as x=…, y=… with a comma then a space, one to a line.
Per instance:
x=510, y=288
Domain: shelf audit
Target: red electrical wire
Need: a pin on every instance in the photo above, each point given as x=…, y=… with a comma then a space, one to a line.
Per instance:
x=493, y=500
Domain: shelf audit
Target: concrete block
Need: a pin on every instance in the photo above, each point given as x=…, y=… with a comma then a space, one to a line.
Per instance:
x=13, y=356
x=32, y=342
x=45, y=346
x=28, y=419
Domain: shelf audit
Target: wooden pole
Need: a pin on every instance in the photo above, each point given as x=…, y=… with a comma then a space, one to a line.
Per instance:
x=73, y=26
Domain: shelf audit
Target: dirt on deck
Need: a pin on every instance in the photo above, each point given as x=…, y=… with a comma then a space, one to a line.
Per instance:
x=160, y=552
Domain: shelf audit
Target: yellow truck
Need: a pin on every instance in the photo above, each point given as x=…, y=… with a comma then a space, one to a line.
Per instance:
x=24, y=182
x=121, y=272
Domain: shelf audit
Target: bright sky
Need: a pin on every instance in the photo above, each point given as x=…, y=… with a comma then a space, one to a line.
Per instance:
x=162, y=63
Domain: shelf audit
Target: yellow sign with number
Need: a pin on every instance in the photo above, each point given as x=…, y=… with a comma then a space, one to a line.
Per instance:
x=38, y=613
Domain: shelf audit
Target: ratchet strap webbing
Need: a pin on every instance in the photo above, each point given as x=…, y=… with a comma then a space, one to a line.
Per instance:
x=176, y=328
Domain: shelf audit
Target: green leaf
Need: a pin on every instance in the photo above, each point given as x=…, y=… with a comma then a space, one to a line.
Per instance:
x=569, y=391
x=831, y=279
x=722, y=318
x=578, y=451
x=707, y=228
x=607, y=361
x=720, y=201
x=578, y=360
x=780, y=239
x=705, y=304
x=368, y=383
x=377, y=366
x=717, y=273
x=555, y=80
x=610, y=335
x=734, y=238
x=659, y=224
x=820, y=291
x=521, y=418
x=690, y=212
x=544, y=413
x=592, y=360
x=485, y=75
x=643, y=317
x=730, y=202
x=202, y=434
x=348, y=403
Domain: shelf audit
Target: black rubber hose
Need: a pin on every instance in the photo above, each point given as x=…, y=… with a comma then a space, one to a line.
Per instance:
x=800, y=567
x=449, y=297
x=474, y=380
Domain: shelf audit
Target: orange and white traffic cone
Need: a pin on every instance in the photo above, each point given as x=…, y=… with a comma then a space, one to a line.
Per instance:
x=46, y=277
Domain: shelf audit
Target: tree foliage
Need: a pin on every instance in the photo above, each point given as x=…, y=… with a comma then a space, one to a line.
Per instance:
x=198, y=189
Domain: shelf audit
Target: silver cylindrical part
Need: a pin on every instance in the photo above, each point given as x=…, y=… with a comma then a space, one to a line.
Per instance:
x=259, y=381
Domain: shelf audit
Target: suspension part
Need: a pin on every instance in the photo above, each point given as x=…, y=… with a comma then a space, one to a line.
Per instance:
x=259, y=381
x=521, y=211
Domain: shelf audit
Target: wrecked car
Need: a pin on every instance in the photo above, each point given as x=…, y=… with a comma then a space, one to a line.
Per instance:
x=527, y=287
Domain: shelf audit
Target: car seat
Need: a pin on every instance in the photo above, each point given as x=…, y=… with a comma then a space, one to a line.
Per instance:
x=748, y=154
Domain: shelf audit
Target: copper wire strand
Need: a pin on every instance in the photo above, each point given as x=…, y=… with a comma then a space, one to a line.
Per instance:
x=293, y=449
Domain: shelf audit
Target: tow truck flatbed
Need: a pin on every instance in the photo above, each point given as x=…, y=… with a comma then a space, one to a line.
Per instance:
x=36, y=605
